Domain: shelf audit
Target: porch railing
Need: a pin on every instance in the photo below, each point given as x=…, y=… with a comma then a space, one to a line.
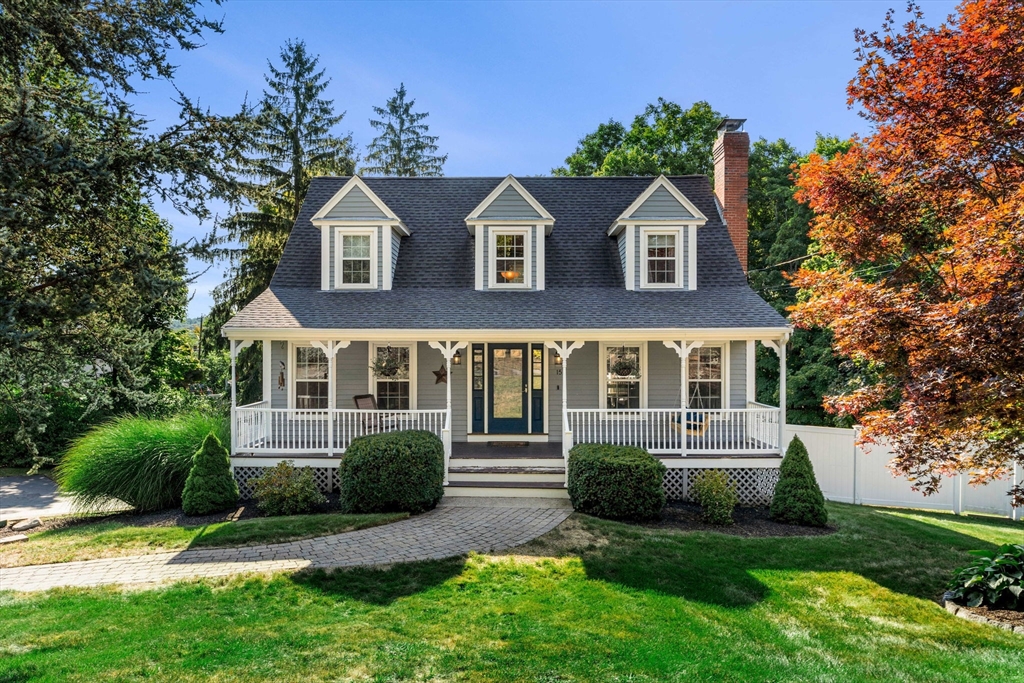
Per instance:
x=262, y=430
x=751, y=430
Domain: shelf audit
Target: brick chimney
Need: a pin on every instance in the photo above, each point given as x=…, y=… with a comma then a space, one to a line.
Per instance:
x=731, y=155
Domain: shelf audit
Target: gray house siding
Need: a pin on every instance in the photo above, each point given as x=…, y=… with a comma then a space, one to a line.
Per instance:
x=509, y=204
x=278, y=363
x=554, y=389
x=352, y=376
x=622, y=251
x=396, y=243
x=487, y=258
x=662, y=376
x=583, y=379
x=433, y=396
x=356, y=205
x=331, y=255
x=661, y=204
x=738, y=374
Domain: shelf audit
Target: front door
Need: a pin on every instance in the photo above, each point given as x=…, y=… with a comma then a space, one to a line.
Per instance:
x=509, y=389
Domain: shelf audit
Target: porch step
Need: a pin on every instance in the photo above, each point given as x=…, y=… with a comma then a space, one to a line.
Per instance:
x=504, y=454
x=506, y=470
x=487, y=462
x=509, y=475
x=537, y=489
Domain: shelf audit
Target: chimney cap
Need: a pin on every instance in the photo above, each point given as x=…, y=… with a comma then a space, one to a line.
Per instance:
x=730, y=125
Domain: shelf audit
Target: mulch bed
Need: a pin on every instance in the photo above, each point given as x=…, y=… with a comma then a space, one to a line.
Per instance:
x=246, y=510
x=750, y=521
x=1008, y=619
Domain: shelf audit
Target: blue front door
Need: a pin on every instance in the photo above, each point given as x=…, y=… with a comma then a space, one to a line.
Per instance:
x=509, y=391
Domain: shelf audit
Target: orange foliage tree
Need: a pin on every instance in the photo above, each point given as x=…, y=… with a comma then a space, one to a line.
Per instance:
x=920, y=227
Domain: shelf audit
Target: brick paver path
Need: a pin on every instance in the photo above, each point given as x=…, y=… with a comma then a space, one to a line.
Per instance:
x=444, y=532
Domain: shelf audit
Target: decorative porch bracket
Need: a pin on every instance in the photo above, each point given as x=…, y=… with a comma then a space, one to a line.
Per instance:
x=778, y=346
x=448, y=349
x=683, y=350
x=235, y=346
x=564, y=350
x=330, y=349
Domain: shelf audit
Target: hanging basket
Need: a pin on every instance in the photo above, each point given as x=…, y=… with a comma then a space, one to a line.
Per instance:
x=387, y=364
x=625, y=366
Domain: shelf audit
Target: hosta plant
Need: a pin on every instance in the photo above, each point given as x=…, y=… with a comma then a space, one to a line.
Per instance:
x=994, y=579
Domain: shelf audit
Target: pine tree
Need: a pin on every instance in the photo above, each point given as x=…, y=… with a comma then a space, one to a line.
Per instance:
x=210, y=487
x=294, y=144
x=798, y=498
x=403, y=147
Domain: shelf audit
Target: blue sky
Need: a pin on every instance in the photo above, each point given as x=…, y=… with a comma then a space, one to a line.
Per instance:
x=511, y=87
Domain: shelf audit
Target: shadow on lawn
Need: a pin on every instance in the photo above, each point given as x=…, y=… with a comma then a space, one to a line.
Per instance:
x=904, y=555
x=381, y=586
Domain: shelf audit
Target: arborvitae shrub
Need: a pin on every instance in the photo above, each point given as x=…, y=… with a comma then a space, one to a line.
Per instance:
x=616, y=482
x=393, y=472
x=716, y=496
x=798, y=498
x=210, y=487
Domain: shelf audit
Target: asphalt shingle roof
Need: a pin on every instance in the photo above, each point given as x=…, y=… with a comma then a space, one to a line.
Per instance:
x=434, y=279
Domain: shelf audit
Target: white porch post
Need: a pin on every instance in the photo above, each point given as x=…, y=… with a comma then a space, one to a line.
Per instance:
x=779, y=347
x=448, y=350
x=267, y=371
x=235, y=346
x=331, y=349
x=564, y=350
x=683, y=350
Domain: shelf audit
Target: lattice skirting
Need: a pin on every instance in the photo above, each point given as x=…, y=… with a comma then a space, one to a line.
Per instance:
x=326, y=479
x=754, y=485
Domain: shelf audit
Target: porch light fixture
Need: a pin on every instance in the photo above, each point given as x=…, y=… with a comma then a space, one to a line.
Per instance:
x=509, y=275
x=558, y=359
x=457, y=358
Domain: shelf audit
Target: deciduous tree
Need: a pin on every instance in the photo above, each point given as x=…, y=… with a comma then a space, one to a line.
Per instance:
x=920, y=270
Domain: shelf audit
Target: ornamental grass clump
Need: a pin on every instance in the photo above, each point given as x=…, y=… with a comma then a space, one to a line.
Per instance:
x=139, y=461
x=285, y=489
x=716, y=496
x=994, y=579
x=393, y=472
x=798, y=498
x=210, y=486
x=616, y=482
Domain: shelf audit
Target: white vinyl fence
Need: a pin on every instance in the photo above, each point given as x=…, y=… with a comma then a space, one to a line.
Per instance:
x=848, y=474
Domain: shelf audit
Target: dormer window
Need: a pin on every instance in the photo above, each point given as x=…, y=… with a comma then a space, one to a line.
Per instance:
x=661, y=261
x=355, y=252
x=510, y=258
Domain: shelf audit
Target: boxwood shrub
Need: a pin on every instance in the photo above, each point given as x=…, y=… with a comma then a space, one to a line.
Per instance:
x=393, y=472
x=616, y=482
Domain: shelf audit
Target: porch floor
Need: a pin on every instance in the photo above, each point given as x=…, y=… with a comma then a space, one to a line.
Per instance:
x=474, y=450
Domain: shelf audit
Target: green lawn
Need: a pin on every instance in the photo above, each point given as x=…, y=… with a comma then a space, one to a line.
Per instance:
x=592, y=601
x=119, y=538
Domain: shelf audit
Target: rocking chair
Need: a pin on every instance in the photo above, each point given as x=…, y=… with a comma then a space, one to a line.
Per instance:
x=372, y=423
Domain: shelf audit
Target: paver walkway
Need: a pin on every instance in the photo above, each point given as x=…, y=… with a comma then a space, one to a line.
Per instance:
x=445, y=532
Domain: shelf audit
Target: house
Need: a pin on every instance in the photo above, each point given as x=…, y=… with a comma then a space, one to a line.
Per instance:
x=515, y=317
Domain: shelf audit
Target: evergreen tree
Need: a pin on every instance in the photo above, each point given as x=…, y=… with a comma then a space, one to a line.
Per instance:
x=294, y=143
x=403, y=147
x=798, y=498
x=210, y=487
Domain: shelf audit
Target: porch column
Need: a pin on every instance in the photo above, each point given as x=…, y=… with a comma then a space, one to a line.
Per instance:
x=267, y=371
x=779, y=347
x=448, y=350
x=564, y=350
x=235, y=346
x=683, y=350
x=331, y=349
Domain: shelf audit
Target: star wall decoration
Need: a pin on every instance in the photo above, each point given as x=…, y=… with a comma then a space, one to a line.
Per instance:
x=441, y=375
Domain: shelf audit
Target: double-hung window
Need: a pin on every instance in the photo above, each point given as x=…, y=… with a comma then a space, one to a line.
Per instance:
x=311, y=383
x=705, y=378
x=622, y=377
x=394, y=392
x=661, y=258
x=355, y=259
x=510, y=258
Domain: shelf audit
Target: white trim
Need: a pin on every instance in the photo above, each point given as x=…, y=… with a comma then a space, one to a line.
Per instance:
x=547, y=389
x=385, y=254
x=492, y=256
x=482, y=335
x=271, y=460
x=676, y=232
x=541, y=241
x=602, y=371
x=292, y=346
x=340, y=232
x=751, y=370
x=469, y=389
x=661, y=181
x=483, y=438
x=371, y=382
x=325, y=257
x=478, y=250
x=354, y=182
x=510, y=181
x=724, y=345
x=267, y=369
x=630, y=237
x=720, y=462
x=691, y=249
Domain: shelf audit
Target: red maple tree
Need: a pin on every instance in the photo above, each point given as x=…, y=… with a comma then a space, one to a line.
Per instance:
x=920, y=273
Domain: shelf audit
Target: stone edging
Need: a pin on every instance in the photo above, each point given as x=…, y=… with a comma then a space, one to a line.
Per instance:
x=959, y=610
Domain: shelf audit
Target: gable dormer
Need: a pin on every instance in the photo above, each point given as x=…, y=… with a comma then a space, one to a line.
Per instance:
x=508, y=228
x=657, y=239
x=359, y=239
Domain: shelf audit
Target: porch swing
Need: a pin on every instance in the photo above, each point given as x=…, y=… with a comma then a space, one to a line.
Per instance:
x=696, y=422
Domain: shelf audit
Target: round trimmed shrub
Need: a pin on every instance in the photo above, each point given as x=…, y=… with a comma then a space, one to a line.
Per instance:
x=798, y=498
x=136, y=460
x=285, y=489
x=616, y=482
x=210, y=487
x=716, y=496
x=393, y=472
